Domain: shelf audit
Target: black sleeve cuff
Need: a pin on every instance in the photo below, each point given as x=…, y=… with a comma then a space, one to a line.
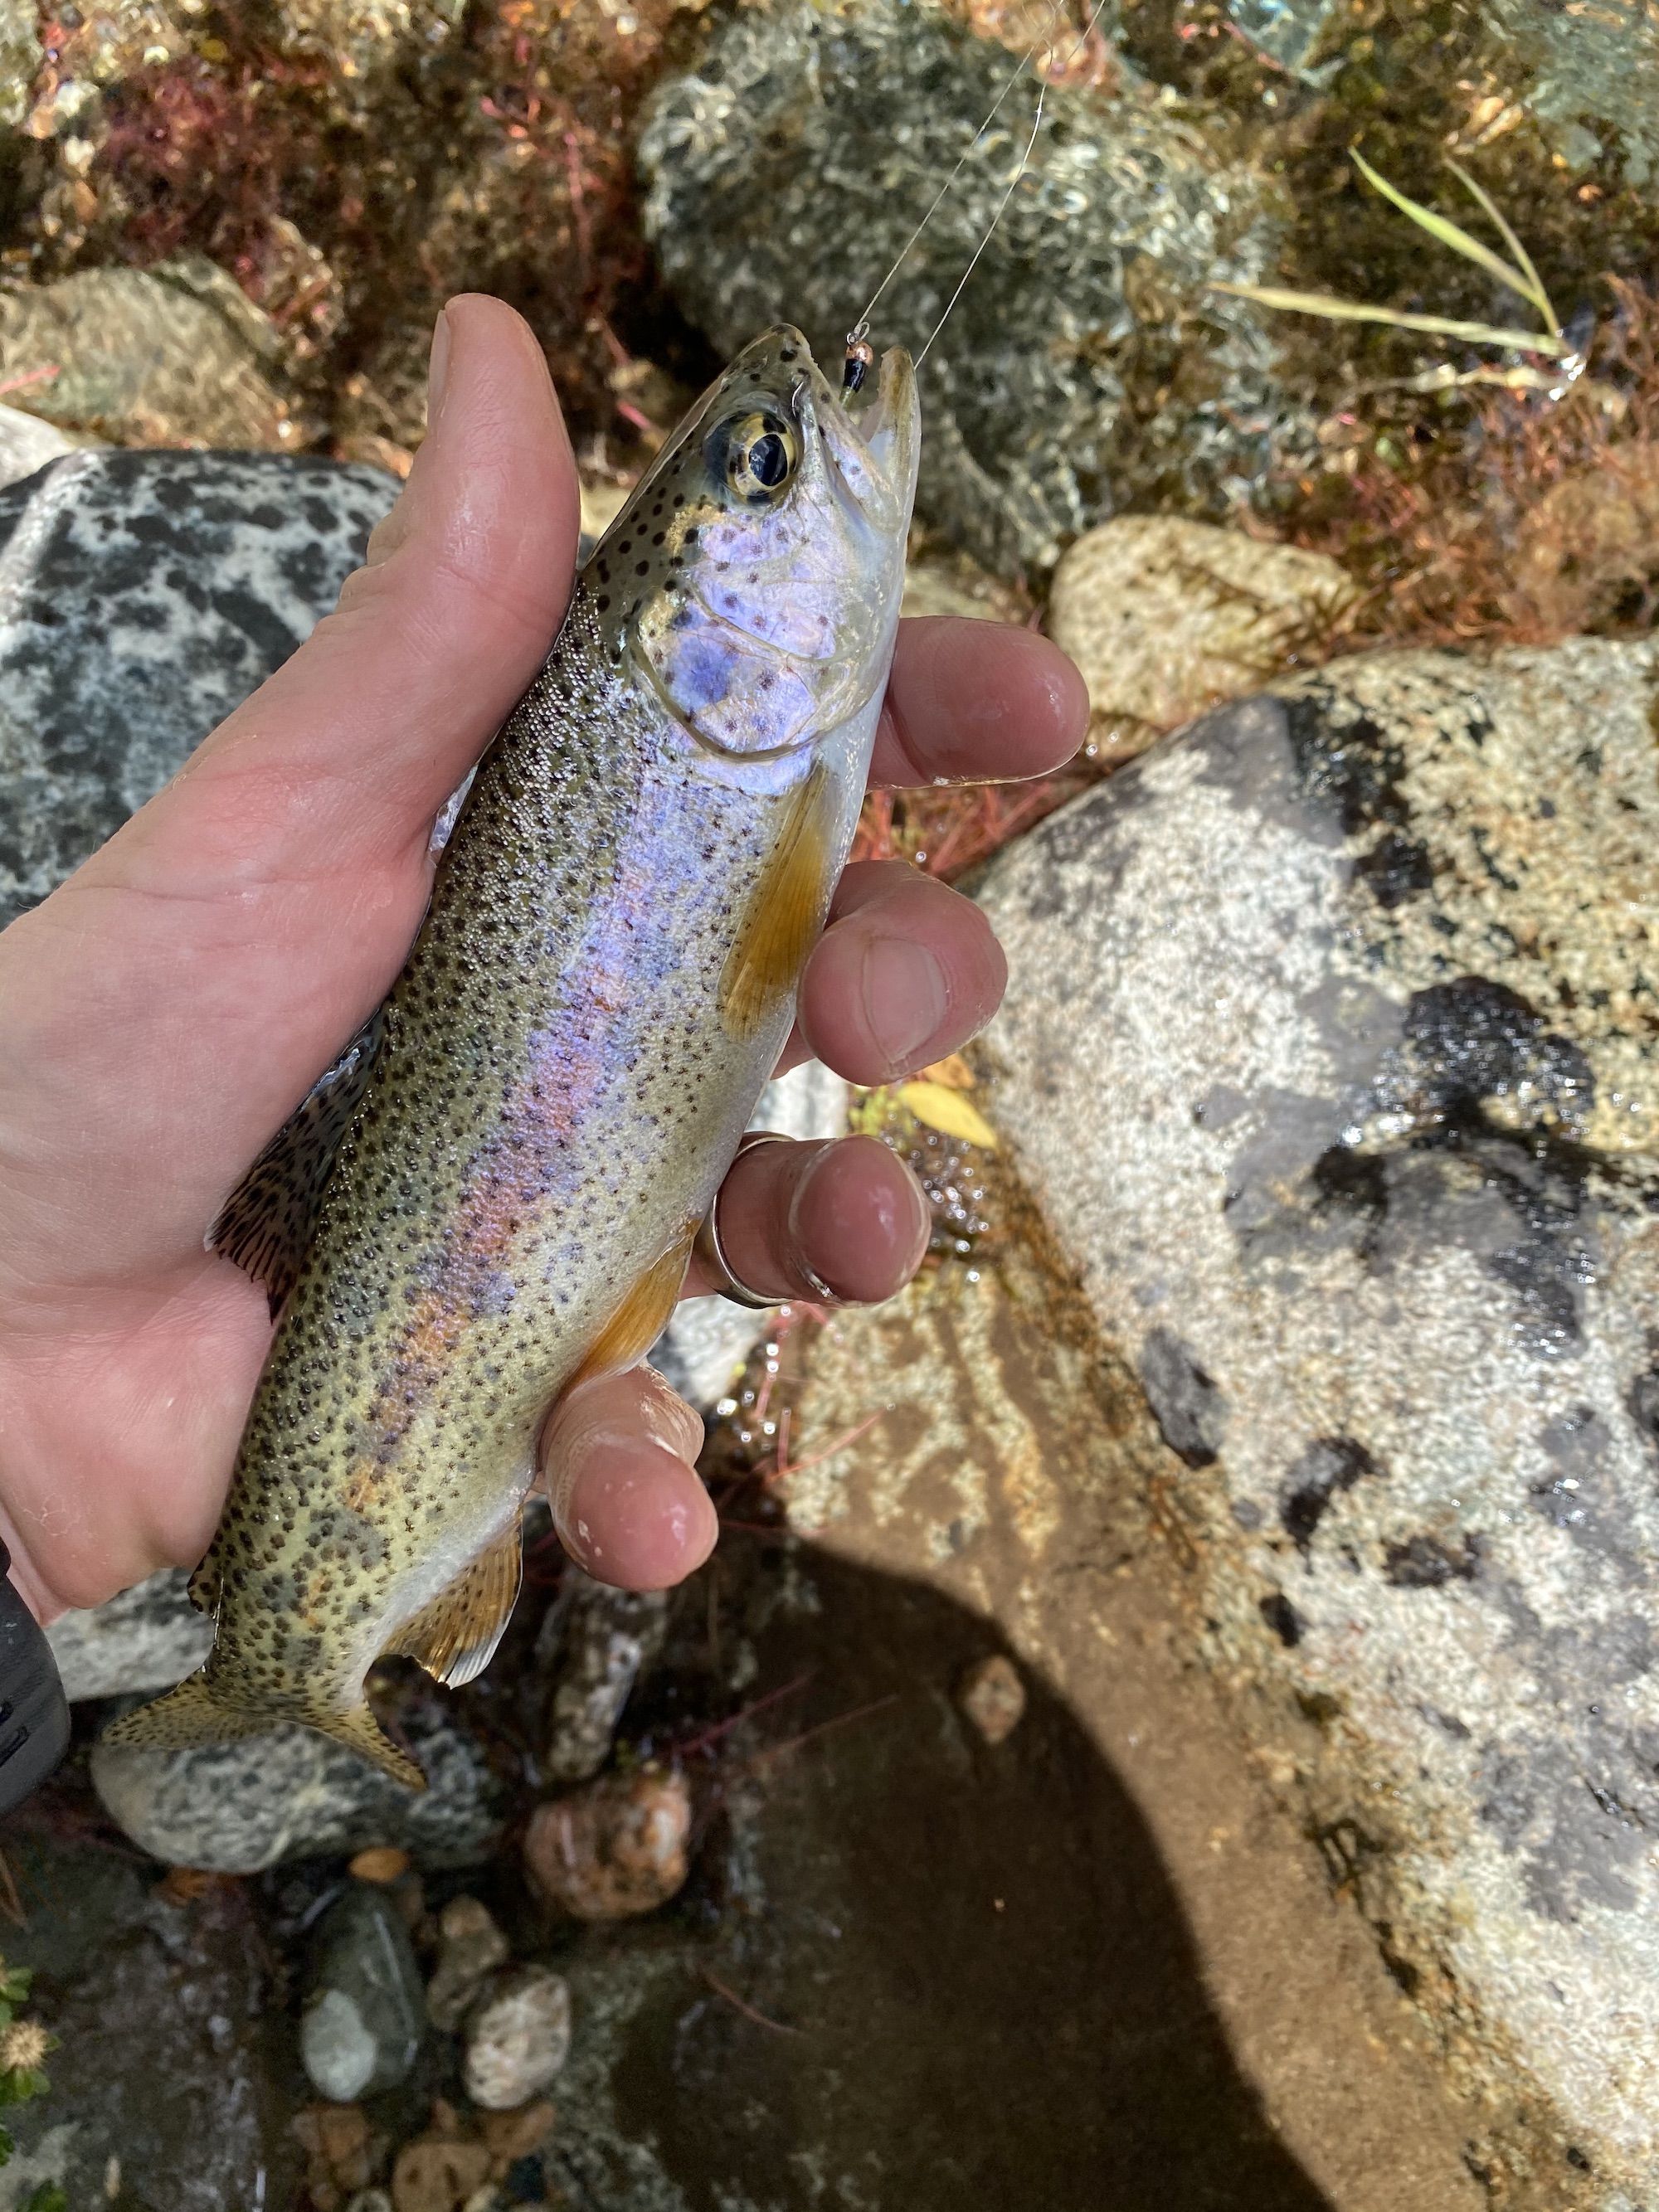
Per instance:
x=34, y=1716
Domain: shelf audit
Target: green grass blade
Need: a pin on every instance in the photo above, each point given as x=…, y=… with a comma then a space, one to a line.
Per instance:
x=1500, y=223
x=1449, y=234
x=1349, y=311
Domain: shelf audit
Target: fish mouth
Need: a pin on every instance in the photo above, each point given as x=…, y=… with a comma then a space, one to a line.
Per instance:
x=886, y=434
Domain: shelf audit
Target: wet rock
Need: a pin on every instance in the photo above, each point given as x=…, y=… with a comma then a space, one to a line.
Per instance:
x=363, y=2016
x=470, y=1946
x=1087, y=365
x=1164, y=617
x=595, y=1639
x=145, y=595
x=148, y=1639
x=176, y=355
x=613, y=1849
x=1329, y=1051
x=20, y=57
x=1595, y=98
x=340, y=2149
x=518, y=2040
x=993, y=1696
x=238, y=1808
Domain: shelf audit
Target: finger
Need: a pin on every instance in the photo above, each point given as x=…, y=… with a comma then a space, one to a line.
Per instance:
x=977, y=701
x=616, y=1461
x=907, y=971
x=841, y=1223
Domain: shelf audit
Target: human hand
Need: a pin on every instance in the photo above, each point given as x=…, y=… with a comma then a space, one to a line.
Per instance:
x=163, y=1011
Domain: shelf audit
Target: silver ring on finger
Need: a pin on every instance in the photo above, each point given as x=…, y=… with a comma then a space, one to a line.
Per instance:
x=710, y=1252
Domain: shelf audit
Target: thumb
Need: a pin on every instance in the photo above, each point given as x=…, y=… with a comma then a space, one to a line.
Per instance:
x=344, y=755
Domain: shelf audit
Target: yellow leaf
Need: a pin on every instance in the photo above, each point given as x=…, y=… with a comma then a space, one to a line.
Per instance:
x=948, y=1112
x=953, y=1072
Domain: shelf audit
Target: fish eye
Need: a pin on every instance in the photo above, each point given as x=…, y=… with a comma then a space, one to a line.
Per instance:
x=755, y=452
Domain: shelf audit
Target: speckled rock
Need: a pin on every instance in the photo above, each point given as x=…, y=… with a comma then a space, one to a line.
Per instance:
x=1164, y=618
x=238, y=1808
x=176, y=355
x=1086, y=364
x=148, y=1639
x=362, y=2018
x=142, y=596
x=470, y=1946
x=1330, y=1052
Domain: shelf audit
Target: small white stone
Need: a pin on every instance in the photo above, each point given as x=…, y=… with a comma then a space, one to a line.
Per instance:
x=518, y=2040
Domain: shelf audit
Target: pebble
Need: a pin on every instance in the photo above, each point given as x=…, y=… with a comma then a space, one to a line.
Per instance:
x=363, y=2019
x=597, y=1639
x=613, y=1849
x=518, y=2040
x=435, y=2173
x=993, y=1696
x=381, y=1862
x=470, y=1946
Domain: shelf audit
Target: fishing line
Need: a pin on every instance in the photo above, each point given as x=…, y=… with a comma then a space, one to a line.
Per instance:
x=862, y=325
x=859, y=352
x=1025, y=162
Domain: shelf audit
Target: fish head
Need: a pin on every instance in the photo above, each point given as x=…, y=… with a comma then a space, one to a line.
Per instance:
x=754, y=576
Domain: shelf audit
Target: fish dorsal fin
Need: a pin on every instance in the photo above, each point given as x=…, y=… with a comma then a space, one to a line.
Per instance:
x=634, y=1327
x=787, y=909
x=265, y=1223
x=454, y=1635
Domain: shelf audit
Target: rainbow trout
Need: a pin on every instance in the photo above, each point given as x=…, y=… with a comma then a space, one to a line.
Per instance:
x=492, y=1194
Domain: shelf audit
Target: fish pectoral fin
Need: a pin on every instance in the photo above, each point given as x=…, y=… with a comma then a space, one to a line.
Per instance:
x=634, y=1327
x=265, y=1223
x=785, y=911
x=454, y=1635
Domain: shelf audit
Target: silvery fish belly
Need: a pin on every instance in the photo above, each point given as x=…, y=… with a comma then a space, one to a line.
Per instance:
x=493, y=1192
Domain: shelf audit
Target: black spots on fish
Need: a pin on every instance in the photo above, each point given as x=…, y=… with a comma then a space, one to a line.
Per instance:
x=642, y=568
x=604, y=603
x=1329, y=1466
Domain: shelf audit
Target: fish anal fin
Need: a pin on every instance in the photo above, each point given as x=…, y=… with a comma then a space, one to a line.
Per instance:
x=785, y=911
x=265, y=1223
x=633, y=1326
x=193, y=1714
x=455, y=1634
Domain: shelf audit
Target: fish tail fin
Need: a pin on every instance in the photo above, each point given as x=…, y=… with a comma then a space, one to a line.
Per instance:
x=192, y=1715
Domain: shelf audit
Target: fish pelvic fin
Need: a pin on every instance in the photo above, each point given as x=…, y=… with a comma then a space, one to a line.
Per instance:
x=785, y=911
x=454, y=1635
x=192, y=1715
x=634, y=1325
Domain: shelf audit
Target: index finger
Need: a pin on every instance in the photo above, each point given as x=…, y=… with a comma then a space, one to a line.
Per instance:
x=976, y=703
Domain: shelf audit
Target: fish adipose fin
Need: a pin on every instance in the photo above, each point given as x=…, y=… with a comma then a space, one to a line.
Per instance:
x=192, y=1715
x=785, y=911
x=265, y=1223
x=454, y=1637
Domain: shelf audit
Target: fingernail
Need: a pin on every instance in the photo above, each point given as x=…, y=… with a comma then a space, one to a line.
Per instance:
x=905, y=999
x=437, y=368
x=633, y=1514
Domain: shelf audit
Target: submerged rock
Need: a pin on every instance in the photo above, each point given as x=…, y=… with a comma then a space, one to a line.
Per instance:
x=470, y=1946
x=1164, y=617
x=1330, y=1051
x=597, y=1639
x=1088, y=362
x=238, y=1808
x=613, y=1849
x=518, y=2040
x=176, y=355
x=363, y=2016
